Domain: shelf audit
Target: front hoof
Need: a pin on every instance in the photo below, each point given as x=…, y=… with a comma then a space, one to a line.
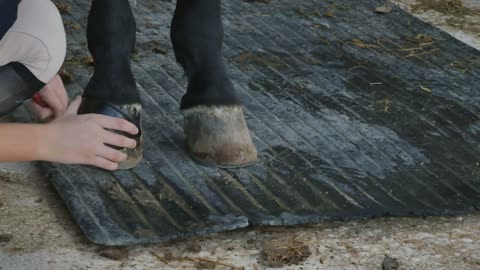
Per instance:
x=129, y=112
x=219, y=136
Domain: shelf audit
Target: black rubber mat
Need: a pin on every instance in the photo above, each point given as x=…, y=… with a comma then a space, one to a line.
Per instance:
x=355, y=115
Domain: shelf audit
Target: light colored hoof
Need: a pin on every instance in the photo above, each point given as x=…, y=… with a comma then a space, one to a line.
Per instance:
x=134, y=156
x=219, y=136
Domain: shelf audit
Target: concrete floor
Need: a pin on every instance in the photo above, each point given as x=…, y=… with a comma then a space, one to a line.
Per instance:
x=37, y=232
x=465, y=28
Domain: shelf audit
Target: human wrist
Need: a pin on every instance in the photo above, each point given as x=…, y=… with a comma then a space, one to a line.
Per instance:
x=43, y=134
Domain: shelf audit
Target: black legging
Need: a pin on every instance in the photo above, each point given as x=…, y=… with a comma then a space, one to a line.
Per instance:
x=17, y=85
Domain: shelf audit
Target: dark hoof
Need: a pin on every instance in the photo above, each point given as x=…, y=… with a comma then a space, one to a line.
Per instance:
x=219, y=136
x=129, y=112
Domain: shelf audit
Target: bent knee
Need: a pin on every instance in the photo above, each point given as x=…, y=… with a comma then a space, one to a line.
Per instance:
x=36, y=39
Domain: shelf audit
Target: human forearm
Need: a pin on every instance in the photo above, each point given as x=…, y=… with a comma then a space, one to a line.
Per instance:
x=21, y=142
x=69, y=139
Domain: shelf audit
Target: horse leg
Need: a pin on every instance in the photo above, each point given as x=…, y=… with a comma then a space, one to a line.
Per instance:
x=214, y=124
x=112, y=88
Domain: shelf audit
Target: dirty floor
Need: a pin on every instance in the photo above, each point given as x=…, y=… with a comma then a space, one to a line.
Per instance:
x=37, y=232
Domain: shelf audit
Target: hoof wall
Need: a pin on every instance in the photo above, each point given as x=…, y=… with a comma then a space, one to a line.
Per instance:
x=129, y=112
x=218, y=136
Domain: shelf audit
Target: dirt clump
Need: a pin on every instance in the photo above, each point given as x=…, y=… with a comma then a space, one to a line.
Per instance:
x=385, y=8
x=63, y=8
x=117, y=254
x=88, y=60
x=194, y=248
x=278, y=252
x=5, y=238
x=390, y=263
x=159, y=50
x=156, y=46
x=197, y=262
x=65, y=75
x=115, y=192
x=259, y=59
x=205, y=265
x=85, y=60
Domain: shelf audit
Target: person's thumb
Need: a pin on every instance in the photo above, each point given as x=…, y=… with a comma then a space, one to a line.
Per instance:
x=74, y=105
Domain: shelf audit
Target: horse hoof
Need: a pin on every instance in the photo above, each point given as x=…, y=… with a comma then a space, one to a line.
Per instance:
x=219, y=136
x=129, y=112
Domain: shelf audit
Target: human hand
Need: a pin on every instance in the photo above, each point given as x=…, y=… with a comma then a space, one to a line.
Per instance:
x=81, y=139
x=55, y=97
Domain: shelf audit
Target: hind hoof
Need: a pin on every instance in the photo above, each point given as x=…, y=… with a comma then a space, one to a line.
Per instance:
x=219, y=136
x=129, y=112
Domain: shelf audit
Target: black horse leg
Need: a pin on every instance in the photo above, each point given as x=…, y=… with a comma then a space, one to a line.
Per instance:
x=214, y=126
x=112, y=89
